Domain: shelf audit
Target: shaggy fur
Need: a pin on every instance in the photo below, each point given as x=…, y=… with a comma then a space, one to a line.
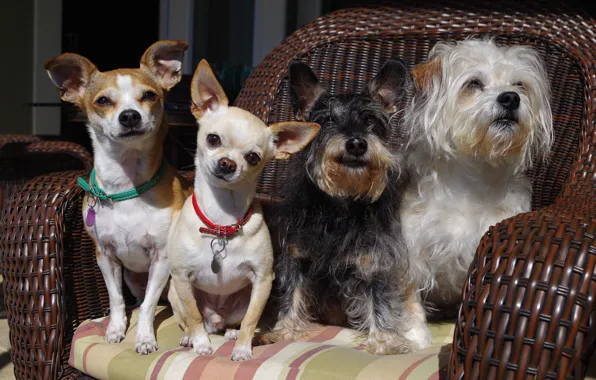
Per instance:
x=340, y=256
x=467, y=152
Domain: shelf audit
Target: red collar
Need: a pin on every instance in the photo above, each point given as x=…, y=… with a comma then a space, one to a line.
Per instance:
x=216, y=229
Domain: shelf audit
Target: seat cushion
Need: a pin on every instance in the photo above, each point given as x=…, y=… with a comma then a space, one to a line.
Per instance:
x=327, y=353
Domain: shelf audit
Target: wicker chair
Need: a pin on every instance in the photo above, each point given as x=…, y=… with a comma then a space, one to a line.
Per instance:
x=530, y=295
x=23, y=157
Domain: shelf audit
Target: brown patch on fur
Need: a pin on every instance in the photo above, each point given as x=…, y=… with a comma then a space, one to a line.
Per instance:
x=338, y=180
x=425, y=72
x=411, y=301
x=365, y=261
x=293, y=250
x=481, y=143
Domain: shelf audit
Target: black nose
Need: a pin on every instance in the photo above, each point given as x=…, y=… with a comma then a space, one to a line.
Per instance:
x=129, y=118
x=356, y=146
x=226, y=166
x=509, y=100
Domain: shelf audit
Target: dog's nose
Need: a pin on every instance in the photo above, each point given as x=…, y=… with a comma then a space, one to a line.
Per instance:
x=226, y=166
x=509, y=100
x=129, y=118
x=356, y=146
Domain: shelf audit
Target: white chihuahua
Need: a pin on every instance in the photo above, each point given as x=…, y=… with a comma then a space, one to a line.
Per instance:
x=219, y=247
x=132, y=192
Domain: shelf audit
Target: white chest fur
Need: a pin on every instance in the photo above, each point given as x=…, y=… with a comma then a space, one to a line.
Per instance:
x=133, y=230
x=248, y=253
x=444, y=218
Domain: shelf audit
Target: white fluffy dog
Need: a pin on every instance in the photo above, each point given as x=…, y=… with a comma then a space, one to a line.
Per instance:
x=479, y=118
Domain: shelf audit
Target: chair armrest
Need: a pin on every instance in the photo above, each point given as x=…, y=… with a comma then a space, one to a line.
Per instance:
x=74, y=150
x=51, y=280
x=528, y=304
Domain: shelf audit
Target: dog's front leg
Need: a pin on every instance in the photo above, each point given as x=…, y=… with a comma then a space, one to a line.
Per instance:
x=158, y=278
x=261, y=289
x=193, y=318
x=416, y=330
x=111, y=269
x=377, y=308
x=294, y=319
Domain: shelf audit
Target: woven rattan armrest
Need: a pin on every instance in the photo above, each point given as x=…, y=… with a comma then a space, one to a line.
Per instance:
x=62, y=147
x=528, y=304
x=51, y=280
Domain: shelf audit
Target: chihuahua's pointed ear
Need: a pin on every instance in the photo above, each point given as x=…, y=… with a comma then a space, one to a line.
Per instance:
x=164, y=60
x=305, y=89
x=71, y=73
x=390, y=84
x=206, y=92
x=426, y=73
x=292, y=136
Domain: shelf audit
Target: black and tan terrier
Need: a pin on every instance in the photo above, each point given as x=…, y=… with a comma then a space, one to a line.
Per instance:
x=341, y=259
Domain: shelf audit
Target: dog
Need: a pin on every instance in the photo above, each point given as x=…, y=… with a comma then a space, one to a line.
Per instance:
x=480, y=116
x=125, y=112
x=337, y=230
x=221, y=258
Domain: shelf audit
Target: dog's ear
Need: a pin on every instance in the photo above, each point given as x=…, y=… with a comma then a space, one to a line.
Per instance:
x=425, y=73
x=71, y=73
x=164, y=60
x=291, y=137
x=206, y=92
x=390, y=84
x=305, y=89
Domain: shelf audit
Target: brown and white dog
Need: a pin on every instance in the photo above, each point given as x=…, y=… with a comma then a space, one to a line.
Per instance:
x=125, y=112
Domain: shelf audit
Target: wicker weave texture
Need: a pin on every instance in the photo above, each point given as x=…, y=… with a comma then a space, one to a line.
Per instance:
x=44, y=246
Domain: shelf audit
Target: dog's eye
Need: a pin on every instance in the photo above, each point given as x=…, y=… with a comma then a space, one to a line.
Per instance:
x=213, y=140
x=149, y=96
x=252, y=158
x=475, y=84
x=103, y=101
x=520, y=85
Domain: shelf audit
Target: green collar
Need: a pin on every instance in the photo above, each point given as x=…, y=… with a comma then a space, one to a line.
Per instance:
x=98, y=193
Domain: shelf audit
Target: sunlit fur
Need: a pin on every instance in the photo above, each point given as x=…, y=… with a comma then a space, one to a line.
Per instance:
x=340, y=256
x=467, y=154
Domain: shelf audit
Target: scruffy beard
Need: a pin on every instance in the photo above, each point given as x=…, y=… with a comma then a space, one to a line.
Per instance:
x=363, y=178
x=498, y=138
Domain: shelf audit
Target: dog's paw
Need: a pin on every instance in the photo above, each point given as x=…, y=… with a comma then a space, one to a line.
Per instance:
x=284, y=332
x=387, y=343
x=116, y=331
x=202, y=345
x=419, y=335
x=186, y=341
x=241, y=353
x=231, y=334
x=145, y=344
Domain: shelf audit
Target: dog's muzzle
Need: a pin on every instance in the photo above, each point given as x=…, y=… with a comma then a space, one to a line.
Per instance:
x=130, y=121
x=355, y=149
x=225, y=168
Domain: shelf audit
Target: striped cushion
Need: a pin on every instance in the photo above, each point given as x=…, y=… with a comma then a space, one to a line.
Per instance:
x=329, y=353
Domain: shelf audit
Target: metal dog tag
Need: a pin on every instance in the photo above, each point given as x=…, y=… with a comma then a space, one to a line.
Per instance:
x=218, y=245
